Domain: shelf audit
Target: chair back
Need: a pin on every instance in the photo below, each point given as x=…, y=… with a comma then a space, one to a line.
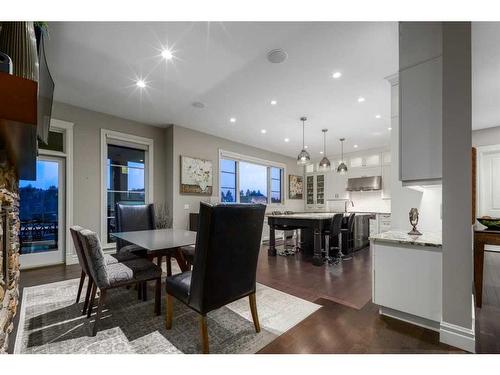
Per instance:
x=131, y=218
x=227, y=250
x=95, y=257
x=77, y=242
x=350, y=222
x=336, y=224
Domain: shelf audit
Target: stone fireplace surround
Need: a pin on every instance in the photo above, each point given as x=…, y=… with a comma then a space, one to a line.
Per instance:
x=9, y=251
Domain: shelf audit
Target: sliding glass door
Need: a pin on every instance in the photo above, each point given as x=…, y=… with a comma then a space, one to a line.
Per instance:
x=41, y=214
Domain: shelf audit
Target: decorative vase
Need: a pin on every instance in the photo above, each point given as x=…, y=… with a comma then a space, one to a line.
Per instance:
x=18, y=41
x=413, y=216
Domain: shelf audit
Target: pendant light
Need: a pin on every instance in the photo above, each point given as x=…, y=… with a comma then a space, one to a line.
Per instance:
x=303, y=158
x=342, y=168
x=324, y=164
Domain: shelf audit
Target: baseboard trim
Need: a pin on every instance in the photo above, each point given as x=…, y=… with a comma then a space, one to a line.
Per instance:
x=457, y=336
x=409, y=318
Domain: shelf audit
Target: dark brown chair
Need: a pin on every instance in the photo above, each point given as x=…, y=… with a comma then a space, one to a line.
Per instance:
x=109, y=259
x=131, y=218
x=225, y=263
x=348, y=237
x=333, y=248
x=108, y=276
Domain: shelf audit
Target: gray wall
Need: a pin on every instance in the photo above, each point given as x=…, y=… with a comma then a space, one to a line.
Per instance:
x=457, y=175
x=486, y=137
x=87, y=163
x=193, y=143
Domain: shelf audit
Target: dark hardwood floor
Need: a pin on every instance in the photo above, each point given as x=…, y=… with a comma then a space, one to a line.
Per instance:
x=347, y=322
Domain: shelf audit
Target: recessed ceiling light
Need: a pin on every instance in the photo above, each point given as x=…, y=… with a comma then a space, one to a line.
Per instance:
x=277, y=56
x=321, y=152
x=287, y=139
x=389, y=128
x=355, y=146
x=167, y=54
x=263, y=131
x=337, y=75
x=361, y=99
x=306, y=146
x=274, y=102
x=232, y=119
x=378, y=116
x=140, y=83
x=198, y=105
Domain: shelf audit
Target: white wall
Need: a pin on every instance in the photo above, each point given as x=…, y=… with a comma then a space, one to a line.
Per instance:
x=486, y=137
x=403, y=199
x=196, y=144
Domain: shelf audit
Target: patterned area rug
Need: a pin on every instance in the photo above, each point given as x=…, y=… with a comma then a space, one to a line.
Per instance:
x=51, y=323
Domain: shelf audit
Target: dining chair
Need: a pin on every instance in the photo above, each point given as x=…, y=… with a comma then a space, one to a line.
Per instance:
x=334, y=239
x=109, y=259
x=348, y=237
x=225, y=264
x=109, y=276
x=131, y=218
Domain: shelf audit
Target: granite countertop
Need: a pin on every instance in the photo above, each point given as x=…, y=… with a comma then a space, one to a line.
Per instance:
x=426, y=239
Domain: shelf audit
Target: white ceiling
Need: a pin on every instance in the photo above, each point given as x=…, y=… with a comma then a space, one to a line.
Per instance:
x=224, y=65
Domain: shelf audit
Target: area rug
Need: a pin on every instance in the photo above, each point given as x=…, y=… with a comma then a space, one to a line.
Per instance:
x=51, y=323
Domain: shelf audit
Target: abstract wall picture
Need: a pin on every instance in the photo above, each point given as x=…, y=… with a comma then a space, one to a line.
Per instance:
x=295, y=187
x=196, y=176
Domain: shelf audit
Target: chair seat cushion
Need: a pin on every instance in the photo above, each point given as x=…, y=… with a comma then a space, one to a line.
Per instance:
x=188, y=252
x=132, y=270
x=136, y=250
x=179, y=285
x=119, y=257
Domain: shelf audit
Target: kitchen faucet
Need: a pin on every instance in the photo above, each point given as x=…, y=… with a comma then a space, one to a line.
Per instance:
x=346, y=203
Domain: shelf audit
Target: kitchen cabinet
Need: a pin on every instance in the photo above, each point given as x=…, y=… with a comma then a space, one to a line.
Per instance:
x=364, y=172
x=369, y=160
x=337, y=184
x=420, y=105
x=315, y=191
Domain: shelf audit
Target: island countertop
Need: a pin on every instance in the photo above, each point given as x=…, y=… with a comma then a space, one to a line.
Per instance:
x=426, y=239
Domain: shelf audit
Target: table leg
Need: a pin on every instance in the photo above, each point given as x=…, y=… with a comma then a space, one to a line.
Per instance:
x=317, y=258
x=272, y=242
x=478, y=271
x=179, y=257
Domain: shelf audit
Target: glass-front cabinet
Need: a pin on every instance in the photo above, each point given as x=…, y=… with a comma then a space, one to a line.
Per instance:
x=315, y=191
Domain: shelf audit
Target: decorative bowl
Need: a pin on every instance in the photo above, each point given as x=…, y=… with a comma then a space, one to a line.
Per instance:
x=490, y=222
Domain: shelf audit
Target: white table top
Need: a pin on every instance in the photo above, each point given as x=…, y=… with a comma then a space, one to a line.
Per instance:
x=158, y=239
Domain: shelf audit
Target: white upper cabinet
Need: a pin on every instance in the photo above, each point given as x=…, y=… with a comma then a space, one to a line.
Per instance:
x=337, y=184
x=420, y=91
x=386, y=182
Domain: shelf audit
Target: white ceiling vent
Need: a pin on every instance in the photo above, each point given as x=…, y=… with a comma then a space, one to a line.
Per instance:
x=277, y=56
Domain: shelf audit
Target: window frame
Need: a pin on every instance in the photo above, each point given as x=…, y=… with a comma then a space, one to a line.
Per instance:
x=224, y=154
x=127, y=140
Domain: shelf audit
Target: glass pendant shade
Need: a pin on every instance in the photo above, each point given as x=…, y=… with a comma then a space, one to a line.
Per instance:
x=342, y=168
x=324, y=164
x=304, y=158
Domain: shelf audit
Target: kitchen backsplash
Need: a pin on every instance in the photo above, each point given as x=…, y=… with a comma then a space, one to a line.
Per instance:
x=364, y=201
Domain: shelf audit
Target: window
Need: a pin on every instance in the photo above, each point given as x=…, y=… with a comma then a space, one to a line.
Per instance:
x=126, y=176
x=227, y=180
x=276, y=185
x=125, y=180
x=249, y=180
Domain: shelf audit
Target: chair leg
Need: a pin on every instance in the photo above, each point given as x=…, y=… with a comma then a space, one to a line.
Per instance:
x=145, y=291
x=158, y=296
x=169, y=311
x=139, y=291
x=204, y=334
x=169, y=266
x=92, y=299
x=253, y=309
x=102, y=299
x=80, y=287
x=87, y=296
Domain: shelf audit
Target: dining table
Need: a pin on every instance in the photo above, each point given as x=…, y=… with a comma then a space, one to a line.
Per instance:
x=482, y=237
x=159, y=243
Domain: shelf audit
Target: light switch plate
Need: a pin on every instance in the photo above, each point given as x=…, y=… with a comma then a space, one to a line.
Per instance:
x=186, y=206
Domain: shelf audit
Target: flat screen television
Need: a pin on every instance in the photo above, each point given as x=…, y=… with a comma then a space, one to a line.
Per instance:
x=45, y=94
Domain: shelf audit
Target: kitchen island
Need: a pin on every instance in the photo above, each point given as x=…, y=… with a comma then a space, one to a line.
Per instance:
x=407, y=276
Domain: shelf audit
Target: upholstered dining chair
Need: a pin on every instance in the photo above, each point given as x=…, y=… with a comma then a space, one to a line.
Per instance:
x=108, y=258
x=225, y=263
x=108, y=276
x=131, y=218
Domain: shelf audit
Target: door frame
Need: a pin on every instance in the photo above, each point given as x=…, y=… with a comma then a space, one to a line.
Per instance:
x=482, y=152
x=37, y=260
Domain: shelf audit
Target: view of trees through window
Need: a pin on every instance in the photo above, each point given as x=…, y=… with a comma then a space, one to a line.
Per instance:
x=247, y=182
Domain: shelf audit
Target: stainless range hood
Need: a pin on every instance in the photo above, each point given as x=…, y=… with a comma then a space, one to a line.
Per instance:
x=364, y=183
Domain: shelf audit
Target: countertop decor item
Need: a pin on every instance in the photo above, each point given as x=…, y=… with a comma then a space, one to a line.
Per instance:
x=324, y=164
x=413, y=216
x=17, y=39
x=490, y=222
x=303, y=158
x=342, y=168
x=295, y=187
x=196, y=176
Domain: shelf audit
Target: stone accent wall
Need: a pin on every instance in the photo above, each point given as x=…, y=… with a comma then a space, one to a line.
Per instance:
x=9, y=261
